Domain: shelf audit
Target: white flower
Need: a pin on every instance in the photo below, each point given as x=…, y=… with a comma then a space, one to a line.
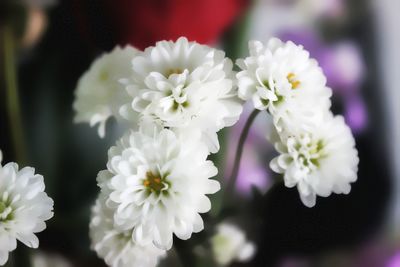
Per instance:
x=24, y=208
x=283, y=79
x=99, y=94
x=158, y=182
x=185, y=85
x=117, y=247
x=319, y=161
x=230, y=244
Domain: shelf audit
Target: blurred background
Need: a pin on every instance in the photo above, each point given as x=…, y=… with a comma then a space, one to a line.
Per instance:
x=47, y=44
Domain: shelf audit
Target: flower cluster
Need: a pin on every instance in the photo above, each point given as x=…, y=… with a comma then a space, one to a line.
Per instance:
x=24, y=207
x=176, y=97
x=317, y=149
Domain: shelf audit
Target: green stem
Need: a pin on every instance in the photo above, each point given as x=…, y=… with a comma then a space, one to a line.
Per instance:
x=12, y=96
x=21, y=256
x=239, y=150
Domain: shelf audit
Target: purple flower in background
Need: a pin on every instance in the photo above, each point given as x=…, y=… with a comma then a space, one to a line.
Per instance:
x=394, y=261
x=306, y=38
x=253, y=171
x=343, y=66
x=355, y=113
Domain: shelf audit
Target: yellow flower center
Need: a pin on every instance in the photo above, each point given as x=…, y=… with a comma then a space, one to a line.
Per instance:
x=173, y=71
x=292, y=80
x=154, y=182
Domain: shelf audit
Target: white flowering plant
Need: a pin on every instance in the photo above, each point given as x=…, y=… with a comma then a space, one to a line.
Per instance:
x=24, y=208
x=175, y=98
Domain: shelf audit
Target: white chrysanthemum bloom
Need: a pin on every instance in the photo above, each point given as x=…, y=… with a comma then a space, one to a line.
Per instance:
x=24, y=208
x=319, y=161
x=159, y=181
x=117, y=247
x=229, y=244
x=185, y=85
x=99, y=94
x=283, y=79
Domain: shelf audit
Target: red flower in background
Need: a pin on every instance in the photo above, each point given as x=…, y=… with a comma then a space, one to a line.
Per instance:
x=144, y=22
